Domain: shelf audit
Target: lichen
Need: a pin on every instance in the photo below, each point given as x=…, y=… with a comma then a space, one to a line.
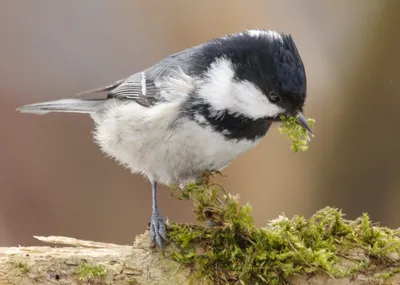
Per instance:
x=297, y=134
x=234, y=251
x=91, y=273
x=22, y=267
x=133, y=281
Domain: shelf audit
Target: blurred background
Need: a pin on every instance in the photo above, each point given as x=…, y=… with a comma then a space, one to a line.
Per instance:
x=55, y=181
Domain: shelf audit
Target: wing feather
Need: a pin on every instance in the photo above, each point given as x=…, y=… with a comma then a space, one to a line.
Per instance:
x=138, y=88
x=167, y=80
x=102, y=89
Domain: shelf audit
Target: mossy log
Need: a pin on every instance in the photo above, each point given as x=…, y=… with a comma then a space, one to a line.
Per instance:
x=323, y=249
x=88, y=262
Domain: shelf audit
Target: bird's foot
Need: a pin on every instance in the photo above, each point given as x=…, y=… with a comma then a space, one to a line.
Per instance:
x=158, y=231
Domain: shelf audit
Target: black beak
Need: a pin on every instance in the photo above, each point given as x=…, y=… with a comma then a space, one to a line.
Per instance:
x=301, y=120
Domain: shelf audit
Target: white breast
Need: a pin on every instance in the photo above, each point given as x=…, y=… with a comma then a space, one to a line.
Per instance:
x=152, y=142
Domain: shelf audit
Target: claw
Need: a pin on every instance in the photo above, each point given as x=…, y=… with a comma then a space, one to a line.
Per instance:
x=158, y=232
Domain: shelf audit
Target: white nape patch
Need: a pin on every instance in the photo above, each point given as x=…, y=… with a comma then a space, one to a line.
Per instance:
x=241, y=98
x=274, y=35
x=143, y=83
x=270, y=33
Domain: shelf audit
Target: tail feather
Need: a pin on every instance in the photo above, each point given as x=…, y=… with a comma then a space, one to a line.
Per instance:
x=65, y=105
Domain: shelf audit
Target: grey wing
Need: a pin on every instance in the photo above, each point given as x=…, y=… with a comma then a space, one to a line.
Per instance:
x=103, y=88
x=138, y=88
x=165, y=81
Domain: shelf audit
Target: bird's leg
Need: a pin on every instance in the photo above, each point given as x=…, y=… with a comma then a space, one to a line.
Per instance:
x=157, y=225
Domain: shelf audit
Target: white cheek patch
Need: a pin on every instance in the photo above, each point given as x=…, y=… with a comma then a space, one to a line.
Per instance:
x=217, y=88
x=241, y=98
x=250, y=101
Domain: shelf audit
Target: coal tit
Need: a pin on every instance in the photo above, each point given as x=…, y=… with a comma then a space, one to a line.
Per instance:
x=194, y=110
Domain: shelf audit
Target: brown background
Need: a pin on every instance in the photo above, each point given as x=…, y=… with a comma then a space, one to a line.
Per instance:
x=55, y=181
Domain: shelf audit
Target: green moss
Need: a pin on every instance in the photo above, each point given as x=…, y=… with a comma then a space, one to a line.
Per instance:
x=22, y=267
x=234, y=251
x=296, y=133
x=86, y=272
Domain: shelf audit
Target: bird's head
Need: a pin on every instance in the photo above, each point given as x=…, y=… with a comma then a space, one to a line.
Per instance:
x=268, y=75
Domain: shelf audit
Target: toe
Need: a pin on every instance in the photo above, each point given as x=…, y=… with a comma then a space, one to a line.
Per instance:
x=158, y=231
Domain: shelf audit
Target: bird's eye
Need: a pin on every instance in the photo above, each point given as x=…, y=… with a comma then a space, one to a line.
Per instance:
x=273, y=97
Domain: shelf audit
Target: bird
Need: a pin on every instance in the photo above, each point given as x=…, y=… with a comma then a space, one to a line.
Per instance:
x=195, y=110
